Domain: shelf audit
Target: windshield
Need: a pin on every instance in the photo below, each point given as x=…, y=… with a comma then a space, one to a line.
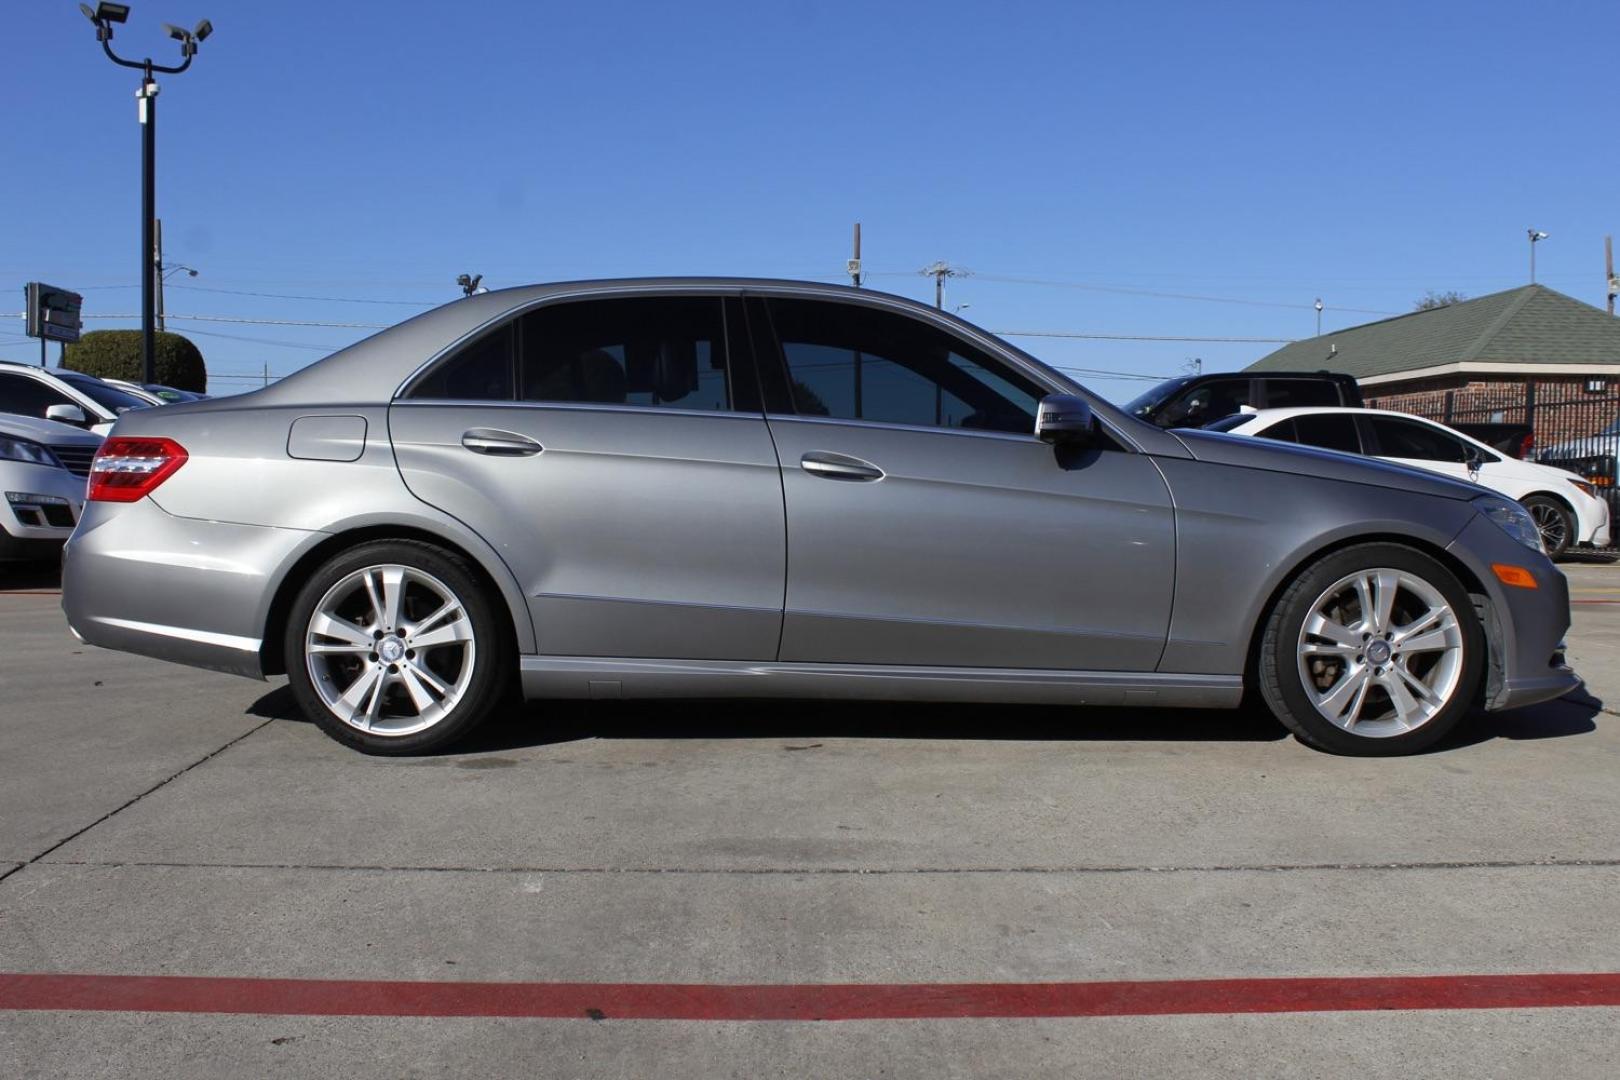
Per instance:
x=107, y=396
x=1147, y=404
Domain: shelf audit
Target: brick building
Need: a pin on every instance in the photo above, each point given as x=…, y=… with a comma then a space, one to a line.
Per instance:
x=1527, y=355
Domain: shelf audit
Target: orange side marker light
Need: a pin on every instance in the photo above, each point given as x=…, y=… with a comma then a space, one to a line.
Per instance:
x=1516, y=576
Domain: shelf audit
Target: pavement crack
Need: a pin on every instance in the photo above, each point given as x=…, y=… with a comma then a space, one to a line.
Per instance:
x=811, y=871
x=125, y=806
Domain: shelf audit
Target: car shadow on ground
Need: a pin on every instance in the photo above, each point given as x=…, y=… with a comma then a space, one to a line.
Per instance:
x=30, y=576
x=540, y=724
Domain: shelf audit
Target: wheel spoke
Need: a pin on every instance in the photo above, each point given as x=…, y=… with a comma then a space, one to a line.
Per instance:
x=446, y=634
x=415, y=686
x=1389, y=583
x=393, y=595
x=427, y=677
x=1407, y=709
x=1347, y=691
x=1329, y=648
x=1319, y=625
x=433, y=619
x=361, y=700
x=327, y=625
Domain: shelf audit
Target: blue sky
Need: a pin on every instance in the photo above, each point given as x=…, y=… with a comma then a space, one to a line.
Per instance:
x=1261, y=154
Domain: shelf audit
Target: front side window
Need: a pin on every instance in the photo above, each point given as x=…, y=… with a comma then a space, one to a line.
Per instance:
x=24, y=396
x=1418, y=442
x=113, y=398
x=659, y=352
x=1206, y=403
x=1281, y=431
x=855, y=363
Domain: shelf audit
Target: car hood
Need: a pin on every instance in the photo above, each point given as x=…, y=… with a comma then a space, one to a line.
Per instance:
x=45, y=431
x=1248, y=452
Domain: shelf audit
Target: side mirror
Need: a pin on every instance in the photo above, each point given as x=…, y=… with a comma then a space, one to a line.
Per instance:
x=66, y=414
x=1065, y=420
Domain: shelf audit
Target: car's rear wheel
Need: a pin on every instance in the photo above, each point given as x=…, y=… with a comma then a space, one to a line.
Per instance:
x=1554, y=521
x=395, y=648
x=1374, y=650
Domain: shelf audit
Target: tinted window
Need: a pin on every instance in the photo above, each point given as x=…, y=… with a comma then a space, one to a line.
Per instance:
x=1282, y=431
x=28, y=397
x=1330, y=431
x=657, y=351
x=481, y=371
x=1206, y=402
x=855, y=363
x=1227, y=423
x=112, y=398
x=1407, y=439
x=1289, y=393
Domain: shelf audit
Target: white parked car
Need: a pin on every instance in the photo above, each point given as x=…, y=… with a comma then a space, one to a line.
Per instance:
x=1568, y=510
x=44, y=467
x=70, y=397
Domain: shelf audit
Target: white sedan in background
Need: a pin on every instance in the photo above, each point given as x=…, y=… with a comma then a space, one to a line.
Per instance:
x=1566, y=508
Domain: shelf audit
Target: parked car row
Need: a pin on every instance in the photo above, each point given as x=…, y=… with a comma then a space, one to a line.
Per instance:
x=51, y=423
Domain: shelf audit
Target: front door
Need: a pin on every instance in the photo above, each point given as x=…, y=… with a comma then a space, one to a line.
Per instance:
x=928, y=526
x=607, y=450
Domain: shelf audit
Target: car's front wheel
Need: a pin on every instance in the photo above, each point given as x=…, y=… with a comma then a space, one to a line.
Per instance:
x=393, y=647
x=1374, y=650
x=1554, y=521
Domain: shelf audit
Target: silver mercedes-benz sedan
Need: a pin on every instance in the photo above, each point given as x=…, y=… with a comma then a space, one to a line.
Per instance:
x=705, y=488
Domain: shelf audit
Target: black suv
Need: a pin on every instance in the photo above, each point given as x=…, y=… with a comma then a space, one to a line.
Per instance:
x=1195, y=400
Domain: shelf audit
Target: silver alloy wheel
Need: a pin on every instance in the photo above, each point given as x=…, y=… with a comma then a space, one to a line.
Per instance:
x=1381, y=652
x=1551, y=523
x=390, y=649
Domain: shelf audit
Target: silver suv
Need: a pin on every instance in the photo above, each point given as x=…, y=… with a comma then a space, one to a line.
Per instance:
x=754, y=488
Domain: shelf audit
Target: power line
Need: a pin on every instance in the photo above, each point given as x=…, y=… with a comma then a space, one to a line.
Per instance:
x=1135, y=337
x=266, y=341
x=325, y=299
x=237, y=319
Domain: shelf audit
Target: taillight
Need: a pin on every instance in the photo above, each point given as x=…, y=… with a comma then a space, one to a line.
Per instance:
x=125, y=470
x=1526, y=445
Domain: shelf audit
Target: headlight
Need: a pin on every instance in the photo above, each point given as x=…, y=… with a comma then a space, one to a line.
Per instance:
x=1514, y=519
x=23, y=450
x=1584, y=488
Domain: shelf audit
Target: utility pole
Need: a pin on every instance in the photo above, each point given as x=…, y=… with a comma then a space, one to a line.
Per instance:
x=104, y=16
x=1535, y=238
x=1608, y=271
x=853, y=267
x=157, y=271
x=1318, y=307
x=939, y=271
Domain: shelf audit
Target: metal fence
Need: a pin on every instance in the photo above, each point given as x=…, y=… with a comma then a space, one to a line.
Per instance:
x=1575, y=425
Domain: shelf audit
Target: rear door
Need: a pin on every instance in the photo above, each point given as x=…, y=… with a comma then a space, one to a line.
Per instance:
x=926, y=523
x=619, y=461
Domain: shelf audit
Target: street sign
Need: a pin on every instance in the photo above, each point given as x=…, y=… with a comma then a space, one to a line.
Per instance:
x=53, y=313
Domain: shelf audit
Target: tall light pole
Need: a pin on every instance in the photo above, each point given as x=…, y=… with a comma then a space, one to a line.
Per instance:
x=104, y=15
x=1318, y=307
x=1535, y=238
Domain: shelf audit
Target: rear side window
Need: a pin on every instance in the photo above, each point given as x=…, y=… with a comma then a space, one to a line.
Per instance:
x=658, y=352
x=1417, y=442
x=1330, y=431
x=1282, y=431
x=481, y=371
x=1293, y=393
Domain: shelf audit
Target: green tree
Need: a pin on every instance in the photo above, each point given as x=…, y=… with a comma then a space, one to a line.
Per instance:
x=116, y=354
x=1432, y=300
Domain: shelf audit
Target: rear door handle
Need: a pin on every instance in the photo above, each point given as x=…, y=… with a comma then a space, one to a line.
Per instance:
x=832, y=466
x=498, y=443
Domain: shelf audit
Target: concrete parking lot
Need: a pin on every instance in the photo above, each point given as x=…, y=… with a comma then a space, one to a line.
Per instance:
x=160, y=821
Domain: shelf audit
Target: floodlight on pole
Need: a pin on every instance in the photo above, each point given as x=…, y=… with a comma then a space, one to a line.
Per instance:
x=1535, y=238
x=103, y=16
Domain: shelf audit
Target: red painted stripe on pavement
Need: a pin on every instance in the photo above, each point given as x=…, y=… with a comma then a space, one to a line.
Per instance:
x=907, y=1001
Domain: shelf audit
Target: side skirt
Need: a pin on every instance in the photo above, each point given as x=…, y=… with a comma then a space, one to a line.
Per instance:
x=612, y=677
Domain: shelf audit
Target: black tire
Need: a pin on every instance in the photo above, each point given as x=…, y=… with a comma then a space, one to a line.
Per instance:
x=1553, y=519
x=491, y=658
x=1281, y=679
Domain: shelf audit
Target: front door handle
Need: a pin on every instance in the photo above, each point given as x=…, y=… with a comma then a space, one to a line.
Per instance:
x=832, y=466
x=498, y=443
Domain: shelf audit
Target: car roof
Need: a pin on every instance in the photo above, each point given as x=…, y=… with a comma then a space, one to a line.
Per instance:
x=1321, y=410
x=374, y=368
